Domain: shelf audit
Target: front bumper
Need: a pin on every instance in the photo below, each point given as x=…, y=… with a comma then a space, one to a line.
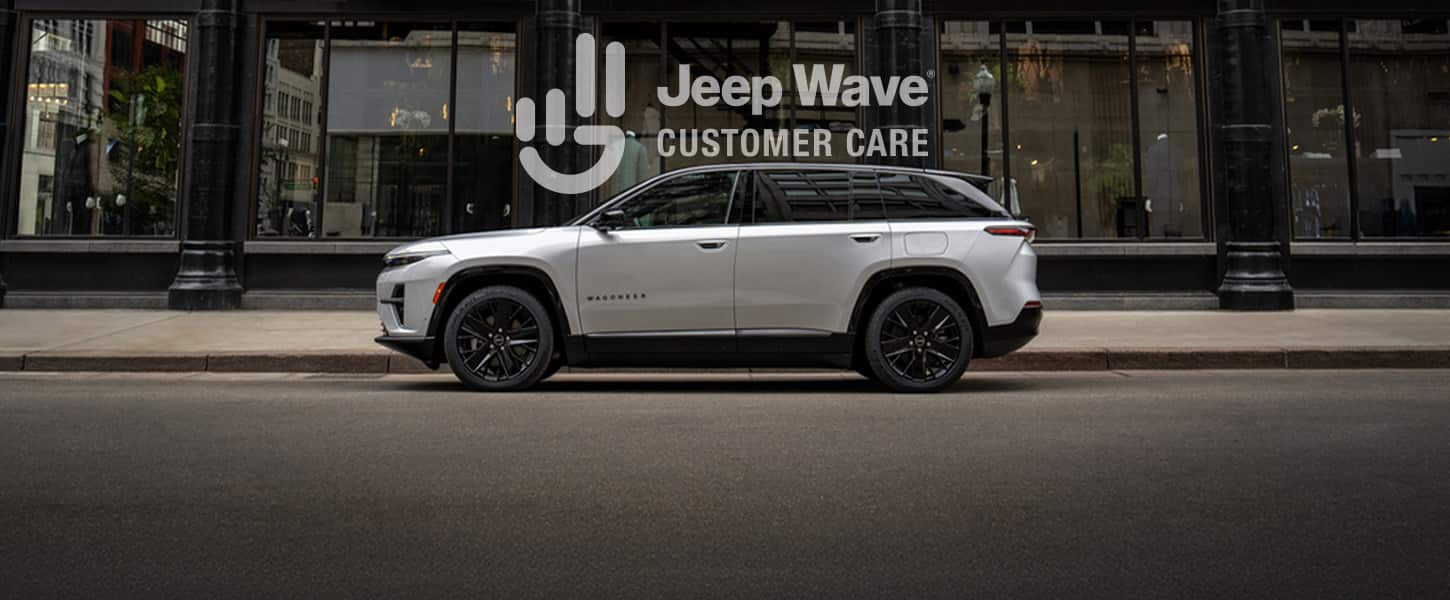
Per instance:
x=1002, y=340
x=421, y=348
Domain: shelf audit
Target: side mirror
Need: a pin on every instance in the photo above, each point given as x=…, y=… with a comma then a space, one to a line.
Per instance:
x=610, y=220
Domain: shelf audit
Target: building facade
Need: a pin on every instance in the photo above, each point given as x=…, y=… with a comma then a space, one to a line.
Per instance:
x=224, y=153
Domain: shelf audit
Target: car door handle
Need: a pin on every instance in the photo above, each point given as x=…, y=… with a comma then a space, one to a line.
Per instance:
x=711, y=244
x=866, y=238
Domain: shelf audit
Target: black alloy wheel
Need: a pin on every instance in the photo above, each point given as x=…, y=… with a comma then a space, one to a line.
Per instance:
x=499, y=338
x=919, y=340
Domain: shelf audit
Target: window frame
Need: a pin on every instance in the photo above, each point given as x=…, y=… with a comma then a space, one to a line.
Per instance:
x=14, y=144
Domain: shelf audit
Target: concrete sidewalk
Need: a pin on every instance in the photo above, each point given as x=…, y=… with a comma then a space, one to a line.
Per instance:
x=342, y=341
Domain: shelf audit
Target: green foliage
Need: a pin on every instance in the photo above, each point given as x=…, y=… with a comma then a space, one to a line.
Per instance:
x=145, y=116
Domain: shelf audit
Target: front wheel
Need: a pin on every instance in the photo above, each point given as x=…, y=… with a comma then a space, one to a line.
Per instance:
x=499, y=339
x=918, y=340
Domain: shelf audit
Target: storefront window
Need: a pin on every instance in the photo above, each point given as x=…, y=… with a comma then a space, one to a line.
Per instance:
x=362, y=136
x=1070, y=126
x=1399, y=74
x=387, y=130
x=483, y=173
x=970, y=105
x=827, y=43
x=1168, y=130
x=102, y=133
x=722, y=50
x=291, y=138
x=642, y=122
x=1314, y=119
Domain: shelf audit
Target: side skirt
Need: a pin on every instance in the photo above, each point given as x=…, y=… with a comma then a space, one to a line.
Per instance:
x=707, y=349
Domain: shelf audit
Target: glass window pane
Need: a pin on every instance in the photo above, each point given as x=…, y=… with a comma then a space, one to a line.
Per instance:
x=483, y=172
x=803, y=197
x=683, y=201
x=971, y=73
x=641, y=119
x=919, y=198
x=1168, y=125
x=1314, y=119
x=102, y=138
x=1399, y=73
x=721, y=50
x=287, y=188
x=1072, y=147
x=826, y=43
x=387, y=129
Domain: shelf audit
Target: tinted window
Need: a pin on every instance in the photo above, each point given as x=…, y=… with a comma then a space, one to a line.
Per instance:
x=685, y=201
x=816, y=197
x=908, y=197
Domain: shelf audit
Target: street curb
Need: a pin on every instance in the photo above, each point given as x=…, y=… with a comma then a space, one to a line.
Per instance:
x=1042, y=360
x=117, y=363
x=298, y=363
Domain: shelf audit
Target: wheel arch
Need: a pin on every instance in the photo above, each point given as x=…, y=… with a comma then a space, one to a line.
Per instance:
x=470, y=280
x=949, y=281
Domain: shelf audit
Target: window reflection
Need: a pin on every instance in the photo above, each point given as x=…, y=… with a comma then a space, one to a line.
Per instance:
x=722, y=50
x=1399, y=73
x=291, y=138
x=377, y=146
x=483, y=171
x=1071, y=131
x=387, y=126
x=1314, y=119
x=102, y=134
x=642, y=121
x=970, y=103
x=1168, y=128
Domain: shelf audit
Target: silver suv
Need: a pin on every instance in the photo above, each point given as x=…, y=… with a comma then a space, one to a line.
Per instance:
x=904, y=275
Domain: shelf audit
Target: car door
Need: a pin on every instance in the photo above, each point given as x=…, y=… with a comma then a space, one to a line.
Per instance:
x=665, y=279
x=812, y=239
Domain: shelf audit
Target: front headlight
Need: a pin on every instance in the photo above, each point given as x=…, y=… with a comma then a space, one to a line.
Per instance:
x=410, y=254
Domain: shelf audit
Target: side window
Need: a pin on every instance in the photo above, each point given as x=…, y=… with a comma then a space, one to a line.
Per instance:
x=908, y=197
x=815, y=197
x=866, y=200
x=693, y=200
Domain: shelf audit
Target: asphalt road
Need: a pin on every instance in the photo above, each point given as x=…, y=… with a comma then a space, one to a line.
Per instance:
x=1206, y=484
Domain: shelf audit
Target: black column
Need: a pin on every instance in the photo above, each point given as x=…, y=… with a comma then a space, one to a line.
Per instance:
x=898, y=38
x=207, y=279
x=9, y=31
x=1254, y=276
x=558, y=23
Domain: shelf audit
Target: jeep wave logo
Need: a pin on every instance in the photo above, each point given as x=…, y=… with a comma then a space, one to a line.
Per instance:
x=816, y=87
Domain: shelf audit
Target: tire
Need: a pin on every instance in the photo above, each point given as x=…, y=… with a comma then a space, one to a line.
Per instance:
x=918, y=340
x=554, y=366
x=499, y=339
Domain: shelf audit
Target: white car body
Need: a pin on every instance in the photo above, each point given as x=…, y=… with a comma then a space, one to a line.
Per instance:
x=743, y=292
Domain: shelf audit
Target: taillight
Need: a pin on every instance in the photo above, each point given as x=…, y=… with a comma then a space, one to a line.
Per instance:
x=1022, y=231
x=1032, y=304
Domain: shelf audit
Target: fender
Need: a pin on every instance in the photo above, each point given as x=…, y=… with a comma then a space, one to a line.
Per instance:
x=452, y=296
x=887, y=276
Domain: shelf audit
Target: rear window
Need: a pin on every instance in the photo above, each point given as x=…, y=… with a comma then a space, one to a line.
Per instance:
x=911, y=197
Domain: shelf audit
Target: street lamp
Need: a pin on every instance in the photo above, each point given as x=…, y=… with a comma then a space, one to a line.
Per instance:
x=983, y=85
x=282, y=146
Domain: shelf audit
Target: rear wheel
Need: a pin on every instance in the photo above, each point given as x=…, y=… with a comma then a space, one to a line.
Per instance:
x=499, y=339
x=918, y=340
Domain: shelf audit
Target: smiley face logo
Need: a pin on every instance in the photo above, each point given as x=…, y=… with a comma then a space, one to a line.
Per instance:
x=608, y=136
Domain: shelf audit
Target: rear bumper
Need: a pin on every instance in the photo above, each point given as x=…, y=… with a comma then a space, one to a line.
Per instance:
x=998, y=341
x=421, y=348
